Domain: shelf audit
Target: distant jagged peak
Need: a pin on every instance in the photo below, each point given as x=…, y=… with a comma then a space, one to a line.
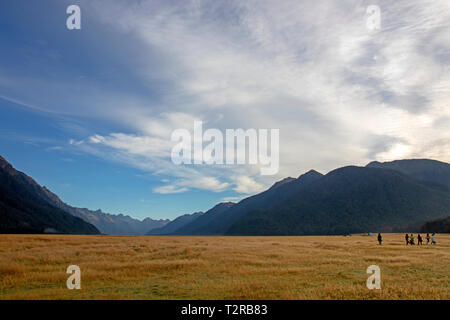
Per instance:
x=281, y=182
x=190, y=214
x=224, y=204
x=149, y=219
x=310, y=173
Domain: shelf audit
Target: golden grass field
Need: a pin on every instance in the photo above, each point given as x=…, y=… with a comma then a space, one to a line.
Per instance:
x=157, y=267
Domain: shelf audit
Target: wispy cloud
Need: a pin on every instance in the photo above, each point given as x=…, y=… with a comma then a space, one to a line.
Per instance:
x=199, y=182
x=339, y=92
x=247, y=185
x=333, y=83
x=169, y=189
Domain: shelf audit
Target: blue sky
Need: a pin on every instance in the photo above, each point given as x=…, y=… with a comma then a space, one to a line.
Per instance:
x=89, y=112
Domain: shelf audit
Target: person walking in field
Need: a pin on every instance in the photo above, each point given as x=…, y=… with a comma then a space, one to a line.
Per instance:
x=433, y=238
x=411, y=239
x=380, y=239
x=407, y=238
x=428, y=238
x=419, y=240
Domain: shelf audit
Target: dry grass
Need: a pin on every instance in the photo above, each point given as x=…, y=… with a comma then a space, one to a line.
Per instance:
x=118, y=267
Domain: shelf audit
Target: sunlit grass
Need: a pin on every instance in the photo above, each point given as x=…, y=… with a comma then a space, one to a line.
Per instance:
x=122, y=267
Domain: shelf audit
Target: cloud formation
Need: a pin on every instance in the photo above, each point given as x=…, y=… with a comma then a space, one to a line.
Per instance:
x=339, y=92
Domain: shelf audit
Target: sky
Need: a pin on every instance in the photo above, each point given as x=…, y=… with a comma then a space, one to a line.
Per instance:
x=89, y=113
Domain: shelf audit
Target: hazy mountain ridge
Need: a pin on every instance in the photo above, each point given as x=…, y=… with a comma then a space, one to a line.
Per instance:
x=176, y=224
x=214, y=222
x=197, y=226
x=105, y=223
x=376, y=197
x=108, y=223
x=24, y=208
x=350, y=200
x=395, y=196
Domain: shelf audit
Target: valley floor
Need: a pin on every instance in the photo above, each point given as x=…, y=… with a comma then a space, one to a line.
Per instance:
x=154, y=267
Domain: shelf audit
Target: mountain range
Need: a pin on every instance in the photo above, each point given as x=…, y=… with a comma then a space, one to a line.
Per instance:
x=383, y=197
x=350, y=200
x=25, y=206
x=176, y=224
x=397, y=196
x=220, y=218
x=117, y=224
x=202, y=225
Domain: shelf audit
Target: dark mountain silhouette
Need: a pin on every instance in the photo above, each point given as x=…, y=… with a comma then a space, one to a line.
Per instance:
x=281, y=182
x=398, y=196
x=437, y=226
x=176, y=224
x=107, y=223
x=431, y=172
x=200, y=225
x=350, y=200
x=24, y=209
x=218, y=222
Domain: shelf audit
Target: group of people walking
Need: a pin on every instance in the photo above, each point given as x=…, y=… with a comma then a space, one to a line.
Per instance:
x=411, y=241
